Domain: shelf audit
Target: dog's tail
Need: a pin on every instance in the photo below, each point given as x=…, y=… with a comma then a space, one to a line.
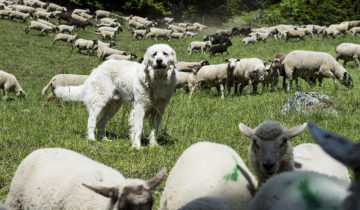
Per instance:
x=46, y=88
x=70, y=93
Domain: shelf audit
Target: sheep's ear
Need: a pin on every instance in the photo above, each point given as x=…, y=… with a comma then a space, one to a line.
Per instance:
x=154, y=181
x=248, y=132
x=337, y=146
x=109, y=192
x=294, y=131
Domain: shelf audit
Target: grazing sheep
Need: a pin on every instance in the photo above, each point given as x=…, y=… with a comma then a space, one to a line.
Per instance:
x=355, y=30
x=121, y=57
x=107, y=51
x=319, y=65
x=248, y=40
x=192, y=28
x=348, y=52
x=54, y=7
x=63, y=28
x=217, y=75
x=107, y=34
x=18, y=15
x=187, y=80
x=8, y=83
x=211, y=172
x=158, y=32
x=101, y=14
x=61, y=80
x=80, y=24
x=39, y=26
x=64, y=16
x=65, y=38
x=78, y=183
x=196, y=45
x=249, y=71
x=191, y=66
x=45, y=15
x=219, y=49
x=83, y=44
x=141, y=33
x=217, y=39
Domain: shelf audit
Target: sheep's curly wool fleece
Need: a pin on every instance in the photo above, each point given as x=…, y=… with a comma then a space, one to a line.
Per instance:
x=305, y=103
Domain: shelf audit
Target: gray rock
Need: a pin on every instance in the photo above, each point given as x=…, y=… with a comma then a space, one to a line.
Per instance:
x=305, y=103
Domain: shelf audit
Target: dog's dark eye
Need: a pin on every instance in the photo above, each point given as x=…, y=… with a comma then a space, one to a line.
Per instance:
x=154, y=54
x=165, y=53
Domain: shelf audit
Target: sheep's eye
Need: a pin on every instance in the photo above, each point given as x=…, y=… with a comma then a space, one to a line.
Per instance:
x=165, y=53
x=154, y=54
x=283, y=142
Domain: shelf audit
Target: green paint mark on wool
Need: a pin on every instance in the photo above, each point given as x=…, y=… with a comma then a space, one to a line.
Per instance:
x=309, y=196
x=233, y=176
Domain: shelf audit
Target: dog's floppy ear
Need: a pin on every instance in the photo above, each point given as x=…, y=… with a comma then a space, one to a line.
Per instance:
x=146, y=57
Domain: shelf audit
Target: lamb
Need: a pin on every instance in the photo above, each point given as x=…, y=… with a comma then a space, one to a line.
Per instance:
x=101, y=14
x=9, y=83
x=312, y=188
x=314, y=64
x=121, y=57
x=63, y=28
x=355, y=30
x=348, y=52
x=208, y=175
x=202, y=46
x=83, y=44
x=219, y=49
x=38, y=26
x=107, y=51
x=65, y=37
x=18, y=15
x=61, y=80
x=78, y=183
x=249, y=71
x=141, y=33
x=54, y=7
x=191, y=66
x=107, y=34
x=45, y=15
x=217, y=75
x=248, y=40
x=78, y=17
x=158, y=32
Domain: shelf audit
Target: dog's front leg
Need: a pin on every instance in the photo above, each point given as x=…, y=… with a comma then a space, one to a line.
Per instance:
x=136, y=124
x=155, y=119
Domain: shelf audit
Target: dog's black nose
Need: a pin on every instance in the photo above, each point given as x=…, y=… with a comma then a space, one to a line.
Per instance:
x=159, y=61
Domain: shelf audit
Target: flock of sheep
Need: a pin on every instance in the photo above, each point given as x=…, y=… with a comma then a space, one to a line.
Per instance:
x=206, y=175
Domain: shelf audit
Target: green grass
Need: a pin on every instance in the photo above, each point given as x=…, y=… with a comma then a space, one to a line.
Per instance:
x=206, y=117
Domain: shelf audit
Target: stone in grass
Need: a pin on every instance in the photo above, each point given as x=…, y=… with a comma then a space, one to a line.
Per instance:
x=305, y=103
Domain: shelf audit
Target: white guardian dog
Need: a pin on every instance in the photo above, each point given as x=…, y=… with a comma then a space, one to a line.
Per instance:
x=146, y=88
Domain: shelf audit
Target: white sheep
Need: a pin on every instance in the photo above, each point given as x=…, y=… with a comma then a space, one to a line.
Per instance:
x=121, y=57
x=187, y=80
x=102, y=46
x=331, y=31
x=8, y=83
x=355, y=30
x=86, y=15
x=262, y=36
x=61, y=80
x=135, y=24
x=43, y=14
x=65, y=37
x=101, y=13
x=247, y=40
x=54, y=7
x=112, y=29
x=158, y=32
x=107, y=34
x=79, y=11
x=18, y=15
x=208, y=172
x=38, y=26
x=196, y=45
x=177, y=28
x=83, y=44
x=191, y=66
x=348, y=52
x=177, y=35
x=107, y=51
x=314, y=64
x=217, y=75
x=168, y=20
x=23, y=9
x=190, y=34
x=4, y=13
x=63, y=28
x=56, y=178
x=137, y=33
x=78, y=17
x=249, y=71
x=47, y=23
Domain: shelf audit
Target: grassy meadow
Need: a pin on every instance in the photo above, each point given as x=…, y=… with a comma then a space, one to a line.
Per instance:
x=26, y=126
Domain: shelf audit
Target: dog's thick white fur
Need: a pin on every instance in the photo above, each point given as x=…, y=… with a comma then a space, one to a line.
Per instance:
x=146, y=88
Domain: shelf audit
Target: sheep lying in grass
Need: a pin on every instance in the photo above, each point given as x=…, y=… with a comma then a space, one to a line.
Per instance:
x=217, y=75
x=64, y=28
x=83, y=44
x=348, y=52
x=306, y=64
x=196, y=45
x=309, y=190
x=249, y=71
x=191, y=66
x=78, y=183
x=39, y=26
x=9, y=83
x=18, y=15
x=121, y=57
x=208, y=175
x=65, y=38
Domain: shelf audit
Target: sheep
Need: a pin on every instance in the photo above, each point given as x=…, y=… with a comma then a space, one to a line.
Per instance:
x=219, y=49
x=56, y=178
x=224, y=32
x=146, y=23
x=201, y=26
x=272, y=75
x=64, y=16
x=79, y=11
x=107, y=34
x=53, y=27
x=177, y=35
x=262, y=36
x=4, y=13
x=38, y=26
x=80, y=24
x=110, y=21
x=217, y=75
x=107, y=51
x=168, y=20
x=310, y=190
x=190, y=34
x=135, y=24
x=54, y=7
x=192, y=28
x=65, y=37
x=78, y=17
x=83, y=44
x=342, y=28
x=212, y=173
x=248, y=40
x=8, y=83
x=61, y=80
x=177, y=28
x=158, y=32
x=42, y=14
x=63, y=28
x=355, y=30
x=18, y=15
x=23, y=9
x=249, y=71
x=318, y=29
x=295, y=34
x=121, y=57
x=187, y=80
x=183, y=25
x=101, y=14
x=191, y=66
x=86, y=15
x=141, y=33
x=202, y=46
x=331, y=31
x=112, y=29
x=314, y=64
x=348, y=52
x=102, y=46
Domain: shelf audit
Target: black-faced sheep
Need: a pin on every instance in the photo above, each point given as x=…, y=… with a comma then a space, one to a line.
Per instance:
x=83, y=44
